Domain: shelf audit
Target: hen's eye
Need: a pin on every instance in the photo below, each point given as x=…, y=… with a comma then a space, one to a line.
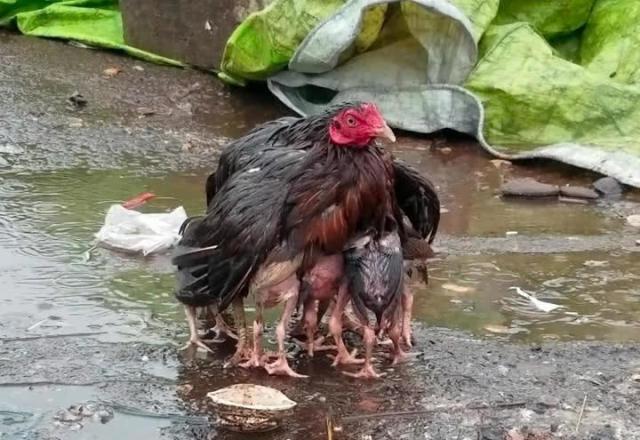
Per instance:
x=351, y=122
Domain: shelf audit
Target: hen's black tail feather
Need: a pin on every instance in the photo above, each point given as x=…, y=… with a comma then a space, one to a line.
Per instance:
x=418, y=199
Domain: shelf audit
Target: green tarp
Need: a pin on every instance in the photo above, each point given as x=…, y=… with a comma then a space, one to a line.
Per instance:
x=556, y=79
x=93, y=22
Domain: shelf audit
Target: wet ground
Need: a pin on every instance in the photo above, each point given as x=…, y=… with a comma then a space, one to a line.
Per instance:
x=80, y=325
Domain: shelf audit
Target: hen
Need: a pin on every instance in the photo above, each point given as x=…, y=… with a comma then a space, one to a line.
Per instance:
x=267, y=224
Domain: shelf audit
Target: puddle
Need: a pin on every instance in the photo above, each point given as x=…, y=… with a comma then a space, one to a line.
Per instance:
x=31, y=413
x=67, y=169
x=598, y=291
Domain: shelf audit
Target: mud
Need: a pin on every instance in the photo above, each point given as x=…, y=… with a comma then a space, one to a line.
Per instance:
x=86, y=326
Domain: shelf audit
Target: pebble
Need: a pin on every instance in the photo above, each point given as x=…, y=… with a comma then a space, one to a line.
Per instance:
x=500, y=162
x=608, y=186
x=596, y=263
x=456, y=288
x=573, y=200
x=634, y=220
x=501, y=329
x=528, y=187
x=11, y=149
x=103, y=416
x=511, y=233
x=637, y=242
x=578, y=192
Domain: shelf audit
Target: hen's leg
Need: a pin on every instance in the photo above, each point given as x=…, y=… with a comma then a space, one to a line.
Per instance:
x=194, y=338
x=407, y=311
x=367, y=371
x=242, y=350
x=256, y=359
x=281, y=365
x=343, y=357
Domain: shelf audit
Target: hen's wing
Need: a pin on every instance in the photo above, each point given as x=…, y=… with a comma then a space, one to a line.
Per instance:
x=417, y=199
x=219, y=253
x=242, y=153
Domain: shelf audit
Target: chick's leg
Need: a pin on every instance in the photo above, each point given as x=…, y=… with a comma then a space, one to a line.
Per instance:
x=312, y=310
x=243, y=351
x=367, y=371
x=194, y=338
x=222, y=330
x=256, y=359
x=407, y=311
x=396, y=336
x=281, y=365
x=343, y=357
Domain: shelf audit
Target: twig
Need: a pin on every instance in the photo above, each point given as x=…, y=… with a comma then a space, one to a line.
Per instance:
x=418, y=412
x=584, y=403
x=329, y=428
x=66, y=335
x=138, y=412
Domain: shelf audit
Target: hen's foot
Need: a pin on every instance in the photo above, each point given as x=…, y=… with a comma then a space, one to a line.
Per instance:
x=385, y=341
x=222, y=332
x=402, y=356
x=195, y=340
x=346, y=358
x=367, y=372
x=407, y=339
x=317, y=345
x=281, y=368
x=240, y=356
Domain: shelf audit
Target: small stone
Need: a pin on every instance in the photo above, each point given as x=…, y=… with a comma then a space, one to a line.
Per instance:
x=578, y=192
x=511, y=233
x=446, y=150
x=491, y=433
x=596, y=263
x=145, y=358
x=528, y=187
x=103, y=416
x=138, y=68
x=456, y=288
x=184, y=389
x=499, y=163
x=634, y=220
x=67, y=416
x=77, y=100
x=500, y=329
x=75, y=427
x=637, y=242
x=111, y=72
x=572, y=200
x=636, y=378
x=608, y=186
x=11, y=149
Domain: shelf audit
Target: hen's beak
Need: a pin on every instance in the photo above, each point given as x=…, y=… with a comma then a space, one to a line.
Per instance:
x=386, y=132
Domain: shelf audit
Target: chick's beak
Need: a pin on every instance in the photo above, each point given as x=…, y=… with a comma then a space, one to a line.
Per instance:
x=385, y=132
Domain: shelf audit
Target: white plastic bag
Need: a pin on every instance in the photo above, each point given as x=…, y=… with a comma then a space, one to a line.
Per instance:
x=133, y=231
